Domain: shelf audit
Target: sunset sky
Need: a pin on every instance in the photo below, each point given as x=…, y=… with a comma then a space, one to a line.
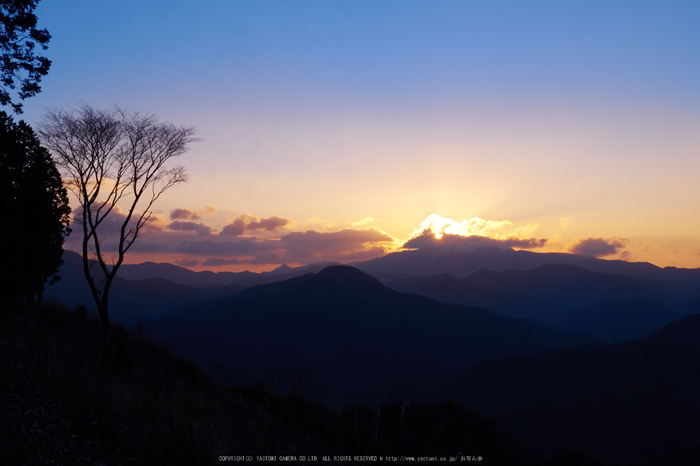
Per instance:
x=337, y=130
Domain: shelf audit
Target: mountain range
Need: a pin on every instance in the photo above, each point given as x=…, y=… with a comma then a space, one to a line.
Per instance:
x=632, y=402
x=359, y=340
x=436, y=261
x=608, y=306
x=563, y=352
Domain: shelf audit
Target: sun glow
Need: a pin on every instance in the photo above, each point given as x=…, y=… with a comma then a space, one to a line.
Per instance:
x=475, y=226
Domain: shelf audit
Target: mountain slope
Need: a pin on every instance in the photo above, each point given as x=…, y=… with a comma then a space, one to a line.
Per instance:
x=208, y=279
x=358, y=339
x=130, y=299
x=626, y=402
x=607, y=306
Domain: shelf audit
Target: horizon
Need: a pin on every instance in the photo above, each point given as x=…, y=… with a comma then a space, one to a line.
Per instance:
x=341, y=131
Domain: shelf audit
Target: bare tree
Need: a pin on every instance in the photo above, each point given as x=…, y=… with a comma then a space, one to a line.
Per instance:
x=113, y=160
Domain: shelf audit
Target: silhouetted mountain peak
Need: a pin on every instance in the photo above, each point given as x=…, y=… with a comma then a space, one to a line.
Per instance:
x=683, y=332
x=347, y=276
x=284, y=268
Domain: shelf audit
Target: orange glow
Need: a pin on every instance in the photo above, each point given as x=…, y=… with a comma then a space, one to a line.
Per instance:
x=497, y=229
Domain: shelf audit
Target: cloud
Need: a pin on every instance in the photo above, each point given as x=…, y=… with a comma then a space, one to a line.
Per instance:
x=364, y=221
x=236, y=228
x=199, y=228
x=314, y=245
x=295, y=247
x=444, y=235
x=248, y=223
x=472, y=227
x=240, y=247
x=448, y=243
x=218, y=262
x=156, y=222
x=209, y=210
x=184, y=214
x=108, y=231
x=649, y=246
x=195, y=244
x=529, y=243
x=269, y=224
x=267, y=258
x=187, y=263
x=598, y=247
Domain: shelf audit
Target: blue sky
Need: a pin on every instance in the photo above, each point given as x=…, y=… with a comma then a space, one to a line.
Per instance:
x=541, y=113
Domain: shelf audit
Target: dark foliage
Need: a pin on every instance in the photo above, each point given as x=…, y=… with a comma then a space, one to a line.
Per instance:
x=35, y=204
x=62, y=402
x=19, y=63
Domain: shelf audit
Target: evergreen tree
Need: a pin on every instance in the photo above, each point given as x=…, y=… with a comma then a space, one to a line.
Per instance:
x=36, y=214
x=20, y=65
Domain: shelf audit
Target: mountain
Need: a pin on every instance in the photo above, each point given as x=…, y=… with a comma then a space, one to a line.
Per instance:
x=70, y=405
x=607, y=306
x=208, y=279
x=452, y=290
x=434, y=261
x=617, y=320
x=180, y=275
x=351, y=337
x=563, y=286
x=632, y=402
x=130, y=300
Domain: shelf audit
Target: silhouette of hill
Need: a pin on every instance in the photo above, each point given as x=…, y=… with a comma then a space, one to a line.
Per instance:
x=144, y=299
x=207, y=279
x=354, y=338
x=420, y=263
x=607, y=306
x=628, y=402
x=566, y=286
x=66, y=399
x=449, y=289
x=617, y=320
x=180, y=275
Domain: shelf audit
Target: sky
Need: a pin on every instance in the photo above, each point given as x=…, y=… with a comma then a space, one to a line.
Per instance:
x=339, y=130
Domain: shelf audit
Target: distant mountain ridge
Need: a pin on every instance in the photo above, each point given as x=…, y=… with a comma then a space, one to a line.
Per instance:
x=417, y=263
x=130, y=300
x=358, y=339
x=608, y=306
x=208, y=279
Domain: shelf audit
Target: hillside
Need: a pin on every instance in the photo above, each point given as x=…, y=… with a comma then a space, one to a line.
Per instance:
x=628, y=402
x=131, y=300
x=608, y=306
x=355, y=339
x=65, y=401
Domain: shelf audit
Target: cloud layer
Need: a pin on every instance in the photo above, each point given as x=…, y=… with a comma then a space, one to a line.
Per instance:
x=448, y=243
x=184, y=214
x=599, y=247
x=447, y=235
x=247, y=223
x=250, y=240
x=246, y=239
